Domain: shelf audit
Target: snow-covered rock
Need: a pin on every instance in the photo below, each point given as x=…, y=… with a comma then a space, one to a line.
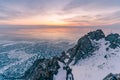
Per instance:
x=102, y=56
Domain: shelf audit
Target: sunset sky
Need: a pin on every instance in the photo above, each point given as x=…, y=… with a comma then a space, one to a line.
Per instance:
x=60, y=12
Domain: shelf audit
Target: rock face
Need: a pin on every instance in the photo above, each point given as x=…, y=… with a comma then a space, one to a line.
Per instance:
x=42, y=69
x=114, y=39
x=112, y=77
x=85, y=46
x=96, y=35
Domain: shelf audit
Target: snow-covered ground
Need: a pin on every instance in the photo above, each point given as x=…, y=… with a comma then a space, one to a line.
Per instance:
x=99, y=65
x=61, y=73
x=96, y=67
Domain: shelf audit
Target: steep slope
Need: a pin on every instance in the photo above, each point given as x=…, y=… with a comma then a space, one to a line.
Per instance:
x=85, y=46
x=98, y=65
x=94, y=56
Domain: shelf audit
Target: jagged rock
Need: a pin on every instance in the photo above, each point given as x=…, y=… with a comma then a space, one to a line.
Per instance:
x=112, y=77
x=96, y=35
x=111, y=37
x=85, y=46
x=114, y=39
x=63, y=57
x=69, y=75
x=42, y=69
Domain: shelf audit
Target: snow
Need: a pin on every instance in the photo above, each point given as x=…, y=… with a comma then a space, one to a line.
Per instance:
x=97, y=66
x=70, y=76
x=61, y=73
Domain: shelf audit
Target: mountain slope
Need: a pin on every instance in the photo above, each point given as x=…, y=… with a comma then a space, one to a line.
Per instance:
x=98, y=65
x=94, y=56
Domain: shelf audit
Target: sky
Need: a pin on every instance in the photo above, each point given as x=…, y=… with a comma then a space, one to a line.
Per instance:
x=60, y=12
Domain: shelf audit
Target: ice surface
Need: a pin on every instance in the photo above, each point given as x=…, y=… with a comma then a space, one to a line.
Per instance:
x=17, y=56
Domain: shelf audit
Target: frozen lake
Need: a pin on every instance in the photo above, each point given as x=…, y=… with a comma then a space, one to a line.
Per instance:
x=22, y=33
x=20, y=46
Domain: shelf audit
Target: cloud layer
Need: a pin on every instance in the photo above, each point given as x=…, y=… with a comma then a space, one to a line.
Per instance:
x=70, y=12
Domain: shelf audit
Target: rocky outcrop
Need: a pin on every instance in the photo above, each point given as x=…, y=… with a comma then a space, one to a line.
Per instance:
x=85, y=46
x=96, y=35
x=42, y=69
x=114, y=40
x=69, y=75
x=45, y=69
x=112, y=77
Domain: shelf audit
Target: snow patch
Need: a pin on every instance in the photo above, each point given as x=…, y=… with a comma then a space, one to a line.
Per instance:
x=61, y=73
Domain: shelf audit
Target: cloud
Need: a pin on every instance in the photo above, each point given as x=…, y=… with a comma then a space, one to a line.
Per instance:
x=103, y=12
x=111, y=16
x=15, y=9
x=10, y=9
x=96, y=19
x=74, y=11
x=92, y=4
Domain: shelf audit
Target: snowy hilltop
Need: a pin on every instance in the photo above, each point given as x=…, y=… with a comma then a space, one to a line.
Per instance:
x=94, y=57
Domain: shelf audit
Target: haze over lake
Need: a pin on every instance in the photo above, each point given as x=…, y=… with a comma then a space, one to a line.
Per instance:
x=23, y=33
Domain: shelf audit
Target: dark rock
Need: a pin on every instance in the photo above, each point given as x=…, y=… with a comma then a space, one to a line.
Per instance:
x=112, y=37
x=107, y=49
x=42, y=69
x=63, y=57
x=114, y=40
x=85, y=46
x=112, y=77
x=112, y=45
x=96, y=35
x=106, y=56
x=69, y=75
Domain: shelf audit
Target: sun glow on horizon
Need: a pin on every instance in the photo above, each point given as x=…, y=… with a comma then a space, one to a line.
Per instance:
x=85, y=18
x=38, y=20
x=60, y=12
x=59, y=20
